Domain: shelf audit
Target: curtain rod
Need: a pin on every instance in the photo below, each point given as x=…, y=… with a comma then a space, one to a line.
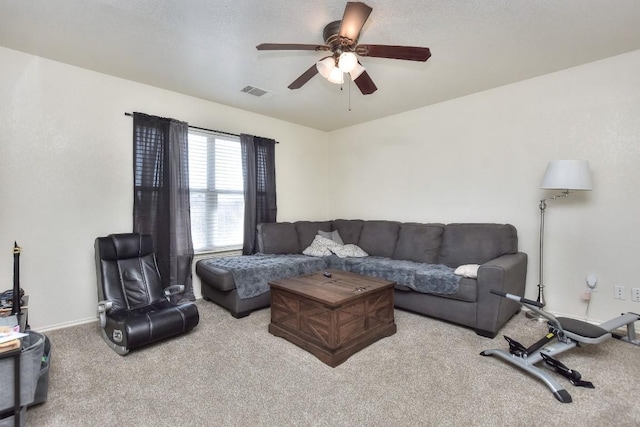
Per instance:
x=205, y=129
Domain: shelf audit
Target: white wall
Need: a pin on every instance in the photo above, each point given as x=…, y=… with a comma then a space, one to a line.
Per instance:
x=482, y=157
x=66, y=172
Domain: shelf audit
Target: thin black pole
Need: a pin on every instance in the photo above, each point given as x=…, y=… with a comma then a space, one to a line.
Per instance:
x=15, y=309
x=205, y=129
x=213, y=130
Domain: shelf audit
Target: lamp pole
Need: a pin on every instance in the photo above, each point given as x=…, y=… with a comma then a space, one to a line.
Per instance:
x=540, y=298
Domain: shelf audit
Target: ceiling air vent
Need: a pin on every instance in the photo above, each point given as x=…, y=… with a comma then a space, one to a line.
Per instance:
x=256, y=91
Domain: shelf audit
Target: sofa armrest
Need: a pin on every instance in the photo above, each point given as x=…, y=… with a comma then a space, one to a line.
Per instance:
x=508, y=274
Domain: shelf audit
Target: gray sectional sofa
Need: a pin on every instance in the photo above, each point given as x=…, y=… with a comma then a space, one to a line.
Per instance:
x=420, y=258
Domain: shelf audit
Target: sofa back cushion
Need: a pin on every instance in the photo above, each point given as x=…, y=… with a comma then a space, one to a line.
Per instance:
x=307, y=231
x=476, y=243
x=278, y=238
x=349, y=229
x=378, y=238
x=419, y=242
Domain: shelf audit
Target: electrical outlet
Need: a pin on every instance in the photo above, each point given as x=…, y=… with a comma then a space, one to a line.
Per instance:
x=618, y=292
x=635, y=294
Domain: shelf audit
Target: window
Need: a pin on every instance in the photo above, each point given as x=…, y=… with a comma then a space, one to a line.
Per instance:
x=216, y=190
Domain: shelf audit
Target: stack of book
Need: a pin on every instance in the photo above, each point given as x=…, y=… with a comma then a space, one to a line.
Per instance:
x=7, y=318
x=10, y=335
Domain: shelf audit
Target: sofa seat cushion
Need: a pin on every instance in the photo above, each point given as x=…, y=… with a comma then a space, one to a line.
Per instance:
x=420, y=277
x=436, y=279
x=252, y=273
x=467, y=291
x=401, y=272
x=334, y=262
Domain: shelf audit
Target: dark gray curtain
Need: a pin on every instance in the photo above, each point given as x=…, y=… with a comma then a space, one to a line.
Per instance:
x=161, y=196
x=259, y=173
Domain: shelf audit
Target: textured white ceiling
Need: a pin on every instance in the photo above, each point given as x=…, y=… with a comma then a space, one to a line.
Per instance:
x=206, y=48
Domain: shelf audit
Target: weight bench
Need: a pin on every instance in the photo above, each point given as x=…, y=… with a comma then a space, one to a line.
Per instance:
x=568, y=333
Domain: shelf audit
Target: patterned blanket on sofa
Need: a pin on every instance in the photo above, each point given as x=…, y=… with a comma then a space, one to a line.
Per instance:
x=421, y=277
x=252, y=273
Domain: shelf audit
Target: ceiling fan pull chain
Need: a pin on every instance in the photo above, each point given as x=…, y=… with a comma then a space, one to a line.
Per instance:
x=349, y=94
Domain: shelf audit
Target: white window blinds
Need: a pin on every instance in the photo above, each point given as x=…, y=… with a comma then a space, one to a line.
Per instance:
x=216, y=189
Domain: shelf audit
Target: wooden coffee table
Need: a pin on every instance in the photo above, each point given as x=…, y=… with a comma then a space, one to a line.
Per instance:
x=332, y=317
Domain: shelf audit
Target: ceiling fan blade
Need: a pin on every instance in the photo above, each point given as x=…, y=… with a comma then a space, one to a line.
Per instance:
x=408, y=53
x=304, y=78
x=365, y=84
x=291, y=46
x=355, y=15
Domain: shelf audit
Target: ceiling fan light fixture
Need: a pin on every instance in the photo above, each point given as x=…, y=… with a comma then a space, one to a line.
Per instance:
x=341, y=44
x=336, y=76
x=347, y=62
x=325, y=66
x=357, y=70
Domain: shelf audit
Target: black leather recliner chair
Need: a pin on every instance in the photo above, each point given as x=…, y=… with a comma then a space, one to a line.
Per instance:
x=133, y=307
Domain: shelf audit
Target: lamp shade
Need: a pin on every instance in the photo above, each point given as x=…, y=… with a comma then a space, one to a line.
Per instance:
x=567, y=175
x=336, y=76
x=325, y=66
x=347, y=62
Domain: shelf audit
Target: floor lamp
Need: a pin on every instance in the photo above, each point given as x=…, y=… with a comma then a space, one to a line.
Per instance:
x=566, y=176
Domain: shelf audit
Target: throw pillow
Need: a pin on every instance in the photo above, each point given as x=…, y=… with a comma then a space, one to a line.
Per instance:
x=320, y=247
x=333, y=235
x=349, y=250
x=468, y=270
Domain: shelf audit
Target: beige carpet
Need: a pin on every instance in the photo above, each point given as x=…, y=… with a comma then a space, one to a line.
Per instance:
x=232, y=372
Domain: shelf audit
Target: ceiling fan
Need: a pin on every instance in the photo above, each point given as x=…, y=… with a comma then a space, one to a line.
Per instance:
x=341, y=38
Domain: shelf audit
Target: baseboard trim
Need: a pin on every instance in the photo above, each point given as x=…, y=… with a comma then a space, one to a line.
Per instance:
x=67, y=324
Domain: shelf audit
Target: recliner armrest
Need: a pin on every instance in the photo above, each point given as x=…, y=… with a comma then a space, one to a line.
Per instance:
x=103, y=308
x=173, y=290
